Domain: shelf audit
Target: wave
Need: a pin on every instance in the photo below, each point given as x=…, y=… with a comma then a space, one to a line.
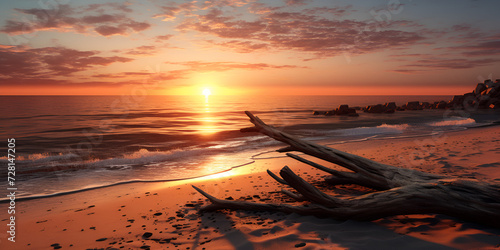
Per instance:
x=65, y=192
x=41, y=158
x=454, y=121
x=378, y=130
x=38, y=163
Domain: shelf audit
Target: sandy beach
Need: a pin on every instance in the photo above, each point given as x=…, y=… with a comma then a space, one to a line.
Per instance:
x=165, y=215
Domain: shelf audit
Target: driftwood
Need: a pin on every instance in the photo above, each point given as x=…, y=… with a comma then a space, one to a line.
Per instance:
x=400, y=190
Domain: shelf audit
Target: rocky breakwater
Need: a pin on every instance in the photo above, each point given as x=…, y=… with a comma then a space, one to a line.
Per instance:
x=343, y=110
x=485, y=96
x=387, y=108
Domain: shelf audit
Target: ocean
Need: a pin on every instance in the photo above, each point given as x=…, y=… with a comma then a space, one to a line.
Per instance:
x=73, y=143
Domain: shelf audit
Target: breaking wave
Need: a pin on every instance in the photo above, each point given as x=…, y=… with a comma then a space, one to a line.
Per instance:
x=378, y=130
x=454, y=121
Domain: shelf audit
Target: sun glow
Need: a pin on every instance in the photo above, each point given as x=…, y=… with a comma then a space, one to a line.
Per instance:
x=207, y=92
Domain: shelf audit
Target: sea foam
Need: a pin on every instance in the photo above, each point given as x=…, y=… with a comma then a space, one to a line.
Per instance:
x=382, y=129
x=454, y=121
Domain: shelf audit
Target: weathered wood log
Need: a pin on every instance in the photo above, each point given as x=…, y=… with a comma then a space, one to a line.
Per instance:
x=401, y=191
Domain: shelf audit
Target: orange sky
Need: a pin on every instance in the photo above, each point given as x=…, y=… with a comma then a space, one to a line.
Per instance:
x=289, y=47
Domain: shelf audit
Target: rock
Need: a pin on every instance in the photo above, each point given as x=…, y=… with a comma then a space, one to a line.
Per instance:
x=457, y=99
x=484, y=101
x=413, y=106
x=471, y=94
x=343, y=107
x=479, y=88
x=441, y=105
x=469, y=100
x=488, y=83
x=456, y=102
x=493, y=92
x=344, y=110
x=319, y=113
x=390, y=105
x=341, y=110
x=426, y=105
x=375, y=109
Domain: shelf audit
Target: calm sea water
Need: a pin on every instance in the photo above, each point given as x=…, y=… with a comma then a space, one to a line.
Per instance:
x=67, y=143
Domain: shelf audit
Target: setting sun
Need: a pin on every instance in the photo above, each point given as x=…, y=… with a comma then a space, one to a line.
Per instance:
x=207, y=92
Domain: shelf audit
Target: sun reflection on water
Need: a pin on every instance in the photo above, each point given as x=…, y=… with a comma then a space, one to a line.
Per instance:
x=208, y=121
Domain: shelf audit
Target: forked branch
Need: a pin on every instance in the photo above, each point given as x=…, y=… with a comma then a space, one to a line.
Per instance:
x=402, y=191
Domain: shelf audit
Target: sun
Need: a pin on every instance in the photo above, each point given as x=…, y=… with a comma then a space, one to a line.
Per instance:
x=207, y=92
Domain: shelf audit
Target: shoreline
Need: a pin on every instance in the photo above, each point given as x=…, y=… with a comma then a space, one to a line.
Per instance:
x=251, y=160
x=124, y=215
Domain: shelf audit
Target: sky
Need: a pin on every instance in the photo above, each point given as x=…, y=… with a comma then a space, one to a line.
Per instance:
x=260, y=47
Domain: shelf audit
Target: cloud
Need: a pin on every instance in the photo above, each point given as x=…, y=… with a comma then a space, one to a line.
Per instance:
x=469, y=41
x=163, y=38
x=101, y=19
x=241, y=46
x=121, y=29
x=297, y=2
x=49, y=62
x=172, y=10
x=406, y=71
x=142, y=77
x=6, y=46
x=337, y=11
x=452, y=63
x=306, y=31
x=486, y=46
x=225, y=3
x=198, y=66
x=168, y=13
x=102, y=8
x=417, y=63
x=142, y=50
x=104, y=19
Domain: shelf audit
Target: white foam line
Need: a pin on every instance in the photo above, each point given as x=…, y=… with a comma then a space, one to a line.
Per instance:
x=120, y=183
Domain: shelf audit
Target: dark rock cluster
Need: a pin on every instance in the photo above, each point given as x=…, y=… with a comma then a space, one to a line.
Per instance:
x=485, y=96
x=341, y=110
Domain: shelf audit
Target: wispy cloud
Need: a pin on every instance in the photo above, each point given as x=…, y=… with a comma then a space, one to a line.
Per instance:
x=65, y=18
x=146, y=50
x=199, y=66
x=305, y=31
x=49, y=62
